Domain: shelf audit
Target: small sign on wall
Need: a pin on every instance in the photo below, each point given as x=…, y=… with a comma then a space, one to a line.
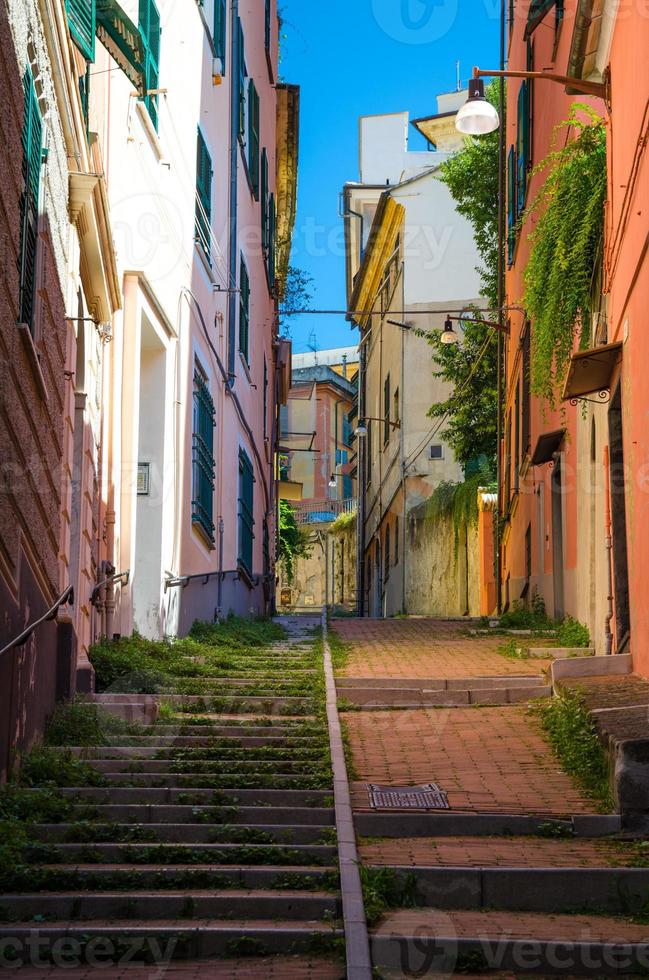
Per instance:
x=143, y=479
x=286, y=597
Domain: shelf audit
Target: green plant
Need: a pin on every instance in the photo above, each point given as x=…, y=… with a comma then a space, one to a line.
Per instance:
x=80, y=723
x=293, y=540
x=513, y=651
x=569, y=215
x=47, y=766
x=519, y=617
x=566, y=721
x=343, y=523
x=458, y=502
x=572, y=633
x=383, y=889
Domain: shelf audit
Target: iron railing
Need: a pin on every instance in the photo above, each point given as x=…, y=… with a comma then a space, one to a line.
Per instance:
x=323, y=511
x=65, y=597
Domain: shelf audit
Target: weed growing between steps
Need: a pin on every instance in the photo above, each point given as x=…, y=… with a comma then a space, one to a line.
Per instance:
x=48, y=766
x=383, y=890
x=340, y=651
x=82, y=723
x=569, y=727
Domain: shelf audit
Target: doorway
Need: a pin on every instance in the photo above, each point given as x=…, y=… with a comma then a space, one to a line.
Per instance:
x=618, y=515
x=557, y=538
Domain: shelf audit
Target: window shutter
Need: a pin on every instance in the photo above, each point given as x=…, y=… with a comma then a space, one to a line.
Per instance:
x=32, y=137
x=522, y=146
x=203, y=468
x=246, y=511
x=203, y=194
x=264, y=201
x=81, y=21
x=149, y=24
x=272, y=221
x=267, y=24
x=253, y=137
x=244, y=311
x=511, y=204
x=242, y=81
x=220, y=15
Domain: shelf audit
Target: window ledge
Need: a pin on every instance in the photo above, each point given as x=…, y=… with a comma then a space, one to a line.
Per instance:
x=204, y=262
x=34, y=359
x=203, y=536
x=246, y=366
x=245, y=575
x=149, y=128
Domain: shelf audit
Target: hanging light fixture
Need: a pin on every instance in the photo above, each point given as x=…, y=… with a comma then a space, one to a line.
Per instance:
x=448, y=335
x=477, y=117
x=361, y=431
x=332, y=481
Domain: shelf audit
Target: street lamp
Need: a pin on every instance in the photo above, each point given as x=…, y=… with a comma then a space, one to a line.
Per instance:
x=332, y=481
x=361, y=431
x=477, y=117
x=448, y=335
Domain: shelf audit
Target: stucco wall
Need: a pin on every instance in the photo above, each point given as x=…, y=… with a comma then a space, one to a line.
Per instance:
x=441, y=581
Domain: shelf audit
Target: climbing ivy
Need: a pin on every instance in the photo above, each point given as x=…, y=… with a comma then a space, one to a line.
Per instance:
x=569, y=214
x=458, y=502
x=293, y=541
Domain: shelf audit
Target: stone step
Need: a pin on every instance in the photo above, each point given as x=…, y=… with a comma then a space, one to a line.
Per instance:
x=199, y=796
x=57, y=877
x=208, y=741
x=195, y=904
x=184, y=729
x=430, y=942
x=221, y=853
x=442, y=684
x=195, y=753
x=182, y=833
x=115, y=767
x=147, y=813
x=418, y=697
x=369, y=823
x=617, y=891
x=268, y=705
x=164, y=940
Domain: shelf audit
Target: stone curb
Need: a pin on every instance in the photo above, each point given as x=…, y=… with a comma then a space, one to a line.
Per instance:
x=357, y=946
x=454, y=824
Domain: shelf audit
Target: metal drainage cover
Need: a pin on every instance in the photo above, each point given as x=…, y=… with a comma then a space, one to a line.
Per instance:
x=427, y=797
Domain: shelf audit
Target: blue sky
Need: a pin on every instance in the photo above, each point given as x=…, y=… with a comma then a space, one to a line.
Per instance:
x=354, y=58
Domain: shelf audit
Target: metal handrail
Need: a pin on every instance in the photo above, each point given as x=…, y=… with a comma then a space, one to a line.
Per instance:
x=181, y=581
x=21, y=639
x=121, y=577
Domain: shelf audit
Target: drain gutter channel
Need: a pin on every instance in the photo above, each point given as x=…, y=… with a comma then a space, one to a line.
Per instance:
x=357, y=943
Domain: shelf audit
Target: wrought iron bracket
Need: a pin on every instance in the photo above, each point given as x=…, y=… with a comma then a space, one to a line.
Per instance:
x=602, y=398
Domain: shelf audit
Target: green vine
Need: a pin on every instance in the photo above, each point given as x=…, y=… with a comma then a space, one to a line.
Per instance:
x=569, y=214
x=458, y=502
x=293, y=541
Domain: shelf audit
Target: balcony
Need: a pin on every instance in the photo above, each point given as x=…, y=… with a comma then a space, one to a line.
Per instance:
x=323, y=511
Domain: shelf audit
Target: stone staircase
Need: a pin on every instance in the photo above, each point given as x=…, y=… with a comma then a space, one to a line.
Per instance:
x=379, y=693
x=212, y=833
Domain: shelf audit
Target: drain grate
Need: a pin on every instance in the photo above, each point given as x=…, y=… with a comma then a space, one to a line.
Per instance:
x=427, y=797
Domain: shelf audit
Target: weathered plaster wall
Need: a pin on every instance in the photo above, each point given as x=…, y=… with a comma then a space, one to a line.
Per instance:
x=441, y=581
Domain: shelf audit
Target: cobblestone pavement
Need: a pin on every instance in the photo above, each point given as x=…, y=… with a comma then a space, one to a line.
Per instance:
x=497, y=852
x=486, y=759
x=425, y=648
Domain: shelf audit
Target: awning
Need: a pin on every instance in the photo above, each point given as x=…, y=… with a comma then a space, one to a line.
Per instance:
x=538, y=10
x=591, y=371
x=546, y=446
x=122, y=40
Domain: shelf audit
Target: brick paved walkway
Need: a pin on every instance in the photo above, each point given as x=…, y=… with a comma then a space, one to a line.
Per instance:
x=487, y=759
x=425, y=648
x=498, y=852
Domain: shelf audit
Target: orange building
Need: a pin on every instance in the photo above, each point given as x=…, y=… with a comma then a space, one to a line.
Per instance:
x=563, y=468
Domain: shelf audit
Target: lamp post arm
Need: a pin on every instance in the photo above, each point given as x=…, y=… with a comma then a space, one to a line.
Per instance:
x=599, y=89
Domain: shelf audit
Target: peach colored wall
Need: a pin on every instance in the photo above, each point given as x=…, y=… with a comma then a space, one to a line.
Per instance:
x=627, y=269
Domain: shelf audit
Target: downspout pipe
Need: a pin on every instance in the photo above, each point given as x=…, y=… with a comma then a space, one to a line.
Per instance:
x=608, y=632
x=234, y=190
x=360, y=479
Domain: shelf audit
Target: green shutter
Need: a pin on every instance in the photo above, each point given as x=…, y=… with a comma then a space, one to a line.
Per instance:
x=511, y=204
x=264, y=201
x=81, y=21
x=123, y=41
x=219, y=36
x=149, y=23
x=203, y=468
x=32, y=138
x=241, y=57
x=244, y=311
x=253, y=137
x=272, y=223
x=246, y=511
x=203, y=194
x=267, y=24
x=522, y=145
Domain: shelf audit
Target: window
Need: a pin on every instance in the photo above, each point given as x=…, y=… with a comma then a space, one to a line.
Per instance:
x=386, y=410
x=511, y=204
x=32, y=136
x=517, y=437
x=347, y=430
x=244, y=311
x=219, y=36
x=241, y=81
x=284, y=420
x=267, y=26
x=348, y=487
x=203, y=195
x=437, y=451
x=387, y=555
x=246, y=511
x=203, y=456
x=272, y=224
x=149, y=24
x=396, y=405
x=253, y=138
x=81, y=21
x=265, y=397
x=396, y=541
x=526, y=434
x=522, y=145
x=264, y=202
x=368, y=455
